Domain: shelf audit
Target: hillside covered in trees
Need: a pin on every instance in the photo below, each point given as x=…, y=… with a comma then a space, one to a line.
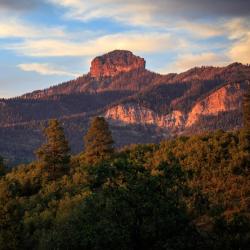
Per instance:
x=190, y=192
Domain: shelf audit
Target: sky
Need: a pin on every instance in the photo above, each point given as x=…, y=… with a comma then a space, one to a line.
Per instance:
x=46, y=42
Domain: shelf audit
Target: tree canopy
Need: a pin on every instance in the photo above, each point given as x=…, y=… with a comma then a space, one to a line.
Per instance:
x=98, y=141
x=55, y=153
x=188, y=192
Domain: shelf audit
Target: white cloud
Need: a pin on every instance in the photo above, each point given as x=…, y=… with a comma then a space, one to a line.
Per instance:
x=45, y=69
x=202, y=30
x=14, y=27
x=239, y=33
x=148, y=12
x=136, y=42
x=240, y=50
x=237, y=28
x=130, y=11
x=231, y=29
x=187, y=61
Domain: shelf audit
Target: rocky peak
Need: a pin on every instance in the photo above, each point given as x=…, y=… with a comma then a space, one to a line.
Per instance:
x=115, y=62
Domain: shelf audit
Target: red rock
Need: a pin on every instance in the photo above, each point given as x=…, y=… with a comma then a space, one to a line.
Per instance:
x=115, y=62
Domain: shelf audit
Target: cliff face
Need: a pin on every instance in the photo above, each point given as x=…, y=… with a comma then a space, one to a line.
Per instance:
x=225, y=99
x=135, y=114
x=115, y=62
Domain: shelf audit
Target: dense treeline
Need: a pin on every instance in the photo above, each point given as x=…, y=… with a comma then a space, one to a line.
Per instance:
x=17, y=144
x=186, y=193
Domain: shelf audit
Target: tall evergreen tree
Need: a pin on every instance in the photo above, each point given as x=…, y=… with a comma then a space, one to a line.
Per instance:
x=2, y=167
x=55, y=153
x=98, y=141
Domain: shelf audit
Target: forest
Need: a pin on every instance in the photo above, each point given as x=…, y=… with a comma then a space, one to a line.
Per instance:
x=188, y=192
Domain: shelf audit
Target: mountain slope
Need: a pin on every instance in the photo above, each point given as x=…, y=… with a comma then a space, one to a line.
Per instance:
x=142, y=106
x=224, y=99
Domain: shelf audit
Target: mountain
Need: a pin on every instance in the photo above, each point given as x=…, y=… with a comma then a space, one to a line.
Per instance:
x=141, y=106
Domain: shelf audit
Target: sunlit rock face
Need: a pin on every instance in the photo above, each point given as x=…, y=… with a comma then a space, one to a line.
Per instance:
x=227, y=98
x=115, y=62
x=136, y=114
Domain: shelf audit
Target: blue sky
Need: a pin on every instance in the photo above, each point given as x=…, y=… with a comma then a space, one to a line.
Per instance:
x=46, y=42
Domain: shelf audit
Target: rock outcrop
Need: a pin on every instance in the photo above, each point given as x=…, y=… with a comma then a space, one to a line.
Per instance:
x=135, y=114
x=225, y=99
x=115, y=62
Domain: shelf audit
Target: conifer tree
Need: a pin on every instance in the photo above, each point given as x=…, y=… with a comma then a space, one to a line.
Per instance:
x=55, y=153
x=98, y=141
x=2, y=167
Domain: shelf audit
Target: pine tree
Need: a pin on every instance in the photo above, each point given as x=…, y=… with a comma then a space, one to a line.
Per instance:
x=98, y=141
x=55, y=153
x=2, y=167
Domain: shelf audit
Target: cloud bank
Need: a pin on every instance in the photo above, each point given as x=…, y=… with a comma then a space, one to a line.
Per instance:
x=146, y=43
x=148, y=12
x=45, y=69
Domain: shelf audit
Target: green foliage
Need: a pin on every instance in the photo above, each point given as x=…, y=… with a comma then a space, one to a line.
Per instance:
x=54, y=154
x=129, y=209
x=98, y=142
x=186, y=193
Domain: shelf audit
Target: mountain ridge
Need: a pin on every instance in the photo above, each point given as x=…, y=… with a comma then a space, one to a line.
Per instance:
x=136, y=101
x=89, y=82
